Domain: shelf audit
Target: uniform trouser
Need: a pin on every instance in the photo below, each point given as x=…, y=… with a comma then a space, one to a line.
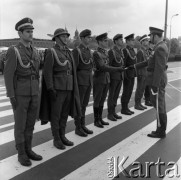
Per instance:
x=84, y=92
x=60, y=109
x=161, y=104
x=141, y=81
x=25, y=117
x=147, y=93
x=128, y=85
x=114, y=90
x=99, y=94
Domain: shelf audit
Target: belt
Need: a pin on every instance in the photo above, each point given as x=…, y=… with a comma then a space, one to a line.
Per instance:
x=66, y=72
x=152, y=69
x=88, y=70
x=29, y=77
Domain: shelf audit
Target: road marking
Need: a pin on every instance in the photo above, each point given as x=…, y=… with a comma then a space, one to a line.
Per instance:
x=10, y=167
x=98, y=167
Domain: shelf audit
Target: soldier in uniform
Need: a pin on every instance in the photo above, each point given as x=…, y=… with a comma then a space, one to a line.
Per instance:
x=21, y=75
x=116, y=60
x=83, y=61
x=61, y=83
x=129, y=75
x=142, y=55
x=157, y=79
x=101, y=78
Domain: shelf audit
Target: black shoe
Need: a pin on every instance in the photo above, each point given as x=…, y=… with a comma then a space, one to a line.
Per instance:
x=132, y=112
x=117, y=116
x=103, y=122
x=157, y=135
x=80, y=132
x=65, y=141
x=138, y=107
x=58, y=144
x=148, y=103
x=22, y=156
x=143, y=106
x=126, y=112
x=111, y=117
x=24, y=160
x=98, y=124
x=32, y=155
x=86, y=130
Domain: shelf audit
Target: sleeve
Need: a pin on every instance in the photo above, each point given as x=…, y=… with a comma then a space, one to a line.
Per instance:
x=139, y=57
x=160, y=64
x=102, y=66
x=48, y=69
x=125, y=57
x=75, y=54
x=9, y=71
x=111, y=57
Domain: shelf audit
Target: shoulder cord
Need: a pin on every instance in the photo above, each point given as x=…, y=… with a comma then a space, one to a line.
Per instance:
x=114, y=54
x=79, y=51
x=57, y=59
x=133, y=58
x=20, y=60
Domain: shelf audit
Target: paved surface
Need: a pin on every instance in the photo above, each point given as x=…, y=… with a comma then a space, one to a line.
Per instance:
x=91, y=157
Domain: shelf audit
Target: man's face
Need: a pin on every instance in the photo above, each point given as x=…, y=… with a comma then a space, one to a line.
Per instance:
x=104, y=43
x=26, y=35
x=153, y=38
x=119, y=42
x=86, y=40
x=145, y=43
x=64, y=38
x=131, y=42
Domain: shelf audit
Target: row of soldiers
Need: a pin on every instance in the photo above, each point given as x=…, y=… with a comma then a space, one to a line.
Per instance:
x=67, y=80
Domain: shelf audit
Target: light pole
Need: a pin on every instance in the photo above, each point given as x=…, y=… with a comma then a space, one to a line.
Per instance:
x=171, y=24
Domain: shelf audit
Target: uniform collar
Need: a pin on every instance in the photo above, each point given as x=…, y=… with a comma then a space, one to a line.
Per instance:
x=61, y=47
x=129, y=47
x=160, y=42
x=82, y=46
x=101, y=50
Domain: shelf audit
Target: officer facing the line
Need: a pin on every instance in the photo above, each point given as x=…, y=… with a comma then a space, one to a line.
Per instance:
x=21, y=75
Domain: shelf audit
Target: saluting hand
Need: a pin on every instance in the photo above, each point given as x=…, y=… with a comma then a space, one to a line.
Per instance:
x=13, y=102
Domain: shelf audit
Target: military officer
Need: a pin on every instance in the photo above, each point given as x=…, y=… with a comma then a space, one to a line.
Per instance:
x=21, y=75
x=129, y=75
x=84, y=65
x=142, y=55
x=101, y=78
x=116, y=60
x=157, y=79
x=60, y=79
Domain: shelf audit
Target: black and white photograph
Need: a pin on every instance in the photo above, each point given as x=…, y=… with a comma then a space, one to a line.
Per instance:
x=90, y=89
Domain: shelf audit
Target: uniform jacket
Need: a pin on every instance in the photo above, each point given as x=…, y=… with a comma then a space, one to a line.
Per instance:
x=15, y=70
x=45, y=105
x=101, y=65
x=156, y=65
x=56, y=75
x=116, y=59
x=129, y=59
x=84, y=65
x=142, y=56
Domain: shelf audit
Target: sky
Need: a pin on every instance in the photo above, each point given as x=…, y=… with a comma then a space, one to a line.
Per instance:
x=112, y=16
